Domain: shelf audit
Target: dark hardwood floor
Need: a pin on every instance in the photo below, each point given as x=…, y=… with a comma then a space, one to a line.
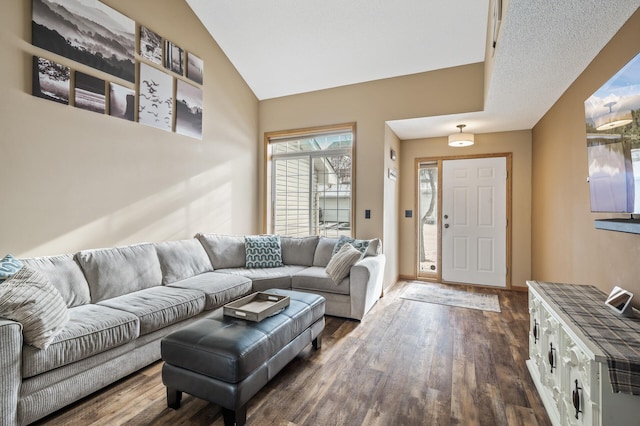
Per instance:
x=407, y=363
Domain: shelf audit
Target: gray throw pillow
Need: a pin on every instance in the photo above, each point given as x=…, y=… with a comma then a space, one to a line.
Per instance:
x=340, y=264
x=28, y=298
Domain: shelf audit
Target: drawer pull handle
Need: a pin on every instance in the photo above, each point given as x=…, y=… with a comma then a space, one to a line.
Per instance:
x=536, y=330
x=576, y=399
x=552, y=357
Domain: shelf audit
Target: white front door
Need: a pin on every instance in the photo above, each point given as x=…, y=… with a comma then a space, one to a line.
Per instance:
x=474, y=221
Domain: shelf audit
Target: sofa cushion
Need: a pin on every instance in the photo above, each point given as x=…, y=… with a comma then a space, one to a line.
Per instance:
x=298, y=250
x=28, y=298
x=324, y=250
x=266, y=278
x=182, y=259
x=219, y=289
x=91, y=329
x=225, y=251
x=315, y=278
x=263, y=251
x=117, y=271
x=65, y=274
x=158, y=307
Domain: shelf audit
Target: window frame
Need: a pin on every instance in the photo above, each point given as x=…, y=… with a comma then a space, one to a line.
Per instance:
x=271, y=138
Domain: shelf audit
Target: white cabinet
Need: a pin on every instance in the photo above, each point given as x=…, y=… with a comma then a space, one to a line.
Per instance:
x=579, y=373
x=570, y=371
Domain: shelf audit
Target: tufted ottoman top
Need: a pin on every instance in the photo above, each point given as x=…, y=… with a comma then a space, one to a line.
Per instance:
x=229, y=349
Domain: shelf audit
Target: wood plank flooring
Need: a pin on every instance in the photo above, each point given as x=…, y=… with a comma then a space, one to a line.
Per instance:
x=408, y=363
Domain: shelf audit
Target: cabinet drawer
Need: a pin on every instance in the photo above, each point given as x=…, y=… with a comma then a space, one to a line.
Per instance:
x=535, y=330
x=577, y=365
x=579, y=384
x=550, y=350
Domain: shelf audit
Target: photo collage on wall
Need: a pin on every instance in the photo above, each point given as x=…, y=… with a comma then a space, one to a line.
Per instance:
x=97, y=36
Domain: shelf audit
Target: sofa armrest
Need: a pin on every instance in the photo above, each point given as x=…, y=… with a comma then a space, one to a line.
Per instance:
x=10, y=370
x=366, y=284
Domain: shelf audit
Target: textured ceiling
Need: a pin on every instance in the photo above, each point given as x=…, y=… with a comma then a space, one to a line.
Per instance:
x=543, y=47
x=285, y=47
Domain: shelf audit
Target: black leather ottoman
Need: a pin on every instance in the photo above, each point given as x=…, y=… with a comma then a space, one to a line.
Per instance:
x=226, y=360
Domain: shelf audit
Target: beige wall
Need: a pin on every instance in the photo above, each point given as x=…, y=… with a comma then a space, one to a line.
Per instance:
x=566, y=246
x=519, y=144
x=370, y=104
x=391, y=209
x=74, y=179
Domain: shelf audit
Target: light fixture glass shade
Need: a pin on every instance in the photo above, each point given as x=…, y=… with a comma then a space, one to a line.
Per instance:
x=613, y=120
x=461, y=139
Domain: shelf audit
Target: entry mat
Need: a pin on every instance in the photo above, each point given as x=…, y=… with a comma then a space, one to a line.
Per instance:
x=446, y=296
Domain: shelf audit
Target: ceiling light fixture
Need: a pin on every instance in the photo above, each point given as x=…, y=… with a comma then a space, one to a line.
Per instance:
x=613, y=118
x=461, y=139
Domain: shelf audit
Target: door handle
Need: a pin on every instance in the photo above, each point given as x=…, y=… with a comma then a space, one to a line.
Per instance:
x=552, y=357
x=575, y=396
x=446, y=225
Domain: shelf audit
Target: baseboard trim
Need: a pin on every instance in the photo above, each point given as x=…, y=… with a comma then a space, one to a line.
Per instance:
x=407, y=277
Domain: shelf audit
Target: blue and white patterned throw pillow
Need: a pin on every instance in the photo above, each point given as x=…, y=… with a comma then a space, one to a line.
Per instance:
x=9, y=265
x=360, y=245
x=263, y=251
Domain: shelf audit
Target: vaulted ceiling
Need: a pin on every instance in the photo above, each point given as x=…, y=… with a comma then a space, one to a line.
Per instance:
x=287, y=47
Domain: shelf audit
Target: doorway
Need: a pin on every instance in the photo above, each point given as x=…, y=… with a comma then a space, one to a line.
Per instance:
x=463, y=220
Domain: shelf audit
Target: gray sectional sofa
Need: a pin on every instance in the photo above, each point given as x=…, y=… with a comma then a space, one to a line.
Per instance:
x=122, y=301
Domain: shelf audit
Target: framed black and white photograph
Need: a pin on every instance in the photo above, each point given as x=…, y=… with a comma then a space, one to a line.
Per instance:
x=189, y=110
x=51, y=80
x=121, y=101
x=150, y=45
x=86, y=31
x=195, y=68
x=155, y=105
x=173, y=58
x=90, y=93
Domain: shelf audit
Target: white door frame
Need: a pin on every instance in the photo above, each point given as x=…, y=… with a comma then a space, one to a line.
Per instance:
x=508, y=156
